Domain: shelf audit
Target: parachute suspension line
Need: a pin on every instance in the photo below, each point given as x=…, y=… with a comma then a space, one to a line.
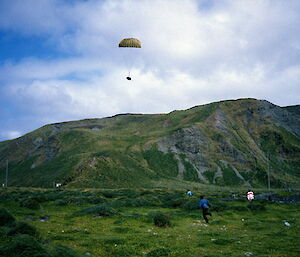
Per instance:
x=130, y=44
x=128, y=77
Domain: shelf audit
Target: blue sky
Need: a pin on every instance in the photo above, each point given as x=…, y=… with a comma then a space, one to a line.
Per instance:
x=59, y=59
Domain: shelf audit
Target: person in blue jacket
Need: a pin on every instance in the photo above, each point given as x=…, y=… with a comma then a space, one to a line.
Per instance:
x=204, y=205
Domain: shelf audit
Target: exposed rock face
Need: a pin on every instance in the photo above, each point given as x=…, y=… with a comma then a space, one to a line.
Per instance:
x=280, y=117
x=235, y=139
x=191, y=143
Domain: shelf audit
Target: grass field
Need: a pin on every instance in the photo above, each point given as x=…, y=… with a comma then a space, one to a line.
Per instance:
x=121, y=223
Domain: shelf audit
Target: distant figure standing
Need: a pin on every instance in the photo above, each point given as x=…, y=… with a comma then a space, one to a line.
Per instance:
x=204, y=205
x=250, y=195
x=189, y=193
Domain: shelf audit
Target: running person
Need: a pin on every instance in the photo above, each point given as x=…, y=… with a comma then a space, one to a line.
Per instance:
x=204, y=205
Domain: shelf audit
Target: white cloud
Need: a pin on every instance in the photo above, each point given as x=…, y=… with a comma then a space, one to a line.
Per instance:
x=11, y=134
x=191, y=55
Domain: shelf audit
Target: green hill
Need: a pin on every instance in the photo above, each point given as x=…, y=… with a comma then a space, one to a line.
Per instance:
x=227, y=143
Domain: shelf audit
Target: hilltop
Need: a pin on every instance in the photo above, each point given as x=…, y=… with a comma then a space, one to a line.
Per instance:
x=227, y=143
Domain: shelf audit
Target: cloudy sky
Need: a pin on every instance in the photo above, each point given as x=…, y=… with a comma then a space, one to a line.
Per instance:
x=60, y=61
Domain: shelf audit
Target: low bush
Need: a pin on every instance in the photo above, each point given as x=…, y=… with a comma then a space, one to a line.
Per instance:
x=159, y=252
x=101, y=210
x=160, y=219
x=191, y=204
x=222, y=241
x=110, y=194
x=6, y=218
x=30, y=204
x=256, y=207
x=62, y=251
x=60, y=202
x=23, y=228
x=24, y=246
x=219, y=206
x=174, y=202
x=238, y=208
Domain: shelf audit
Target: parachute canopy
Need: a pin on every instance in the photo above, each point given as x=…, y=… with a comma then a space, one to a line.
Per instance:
x=130, y=42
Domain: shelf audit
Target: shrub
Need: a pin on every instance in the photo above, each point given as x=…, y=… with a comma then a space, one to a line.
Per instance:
x=219, y=206
x=110, y=194
x=60, y=202
x=25, y=246
x=239, y=208
x=174, y=202
x=128, y=193
x=159, y=252
x=5, y=217
x=222, y=241
x=101, y=209
x=30, y=204
x=191, y=204
x=63, y=251
x=160, y=219
x=121, y=229
x=256, y=207
x=23, y=228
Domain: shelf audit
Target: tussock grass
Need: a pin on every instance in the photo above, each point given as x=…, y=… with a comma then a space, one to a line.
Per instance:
x=233, y=230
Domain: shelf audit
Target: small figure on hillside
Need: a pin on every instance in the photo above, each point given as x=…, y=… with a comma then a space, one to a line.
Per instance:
x=250, y=195
x=204, y=205
x=189, y=193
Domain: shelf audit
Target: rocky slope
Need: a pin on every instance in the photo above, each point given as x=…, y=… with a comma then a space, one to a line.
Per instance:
x=232, y=143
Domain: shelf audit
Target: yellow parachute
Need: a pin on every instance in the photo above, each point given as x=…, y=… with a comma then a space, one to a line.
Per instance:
x=130, y=42
x=129, y=56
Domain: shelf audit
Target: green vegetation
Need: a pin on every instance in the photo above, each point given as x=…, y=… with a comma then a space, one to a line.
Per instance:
x=136, y=150
x=171, y=225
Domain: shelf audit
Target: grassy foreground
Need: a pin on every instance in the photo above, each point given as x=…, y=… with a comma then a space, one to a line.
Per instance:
x=121, y=223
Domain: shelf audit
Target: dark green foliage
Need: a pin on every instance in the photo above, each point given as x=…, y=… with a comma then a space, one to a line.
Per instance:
x=114, y=240
x=173, y=199
x=230, y=178
x=5, y=217
x=24, y=246
x=110, y=193
x=101, y=210
x=222, y=241
x=30, y=204
x=60, y=202
x=209, y=174
x=159, y=252
x=190, y=173
x=256, y=207
x=163, y=164
x=138, y=202
x=20, y=239
x=238, y=208
x=175, y=203
x=23, y=228
x=80, y=200
x=216, y=136
x=190, y=204
x=63, y=251
x=160, y=219
x=121, y=229
x=219, y=206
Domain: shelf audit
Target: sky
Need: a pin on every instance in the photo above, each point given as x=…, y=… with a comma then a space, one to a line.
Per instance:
x=60, y=60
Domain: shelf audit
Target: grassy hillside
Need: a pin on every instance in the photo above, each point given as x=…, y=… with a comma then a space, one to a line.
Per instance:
x=228, y=143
